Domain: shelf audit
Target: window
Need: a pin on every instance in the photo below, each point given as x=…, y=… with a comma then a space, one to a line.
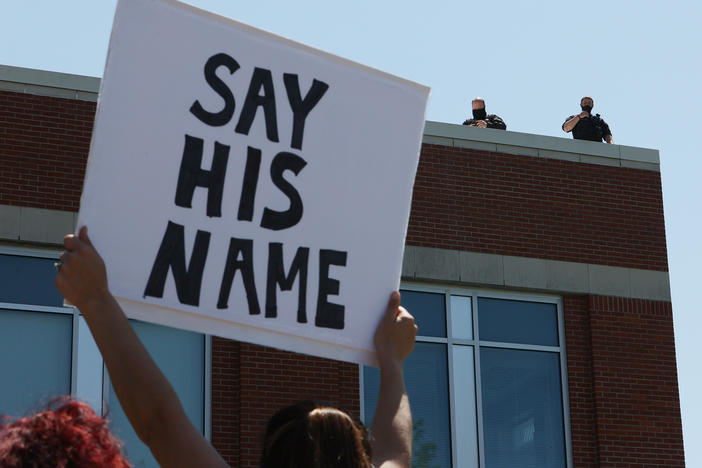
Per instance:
x=36, y=335
x=180, y=355
x=46, y=350
x=486, y=380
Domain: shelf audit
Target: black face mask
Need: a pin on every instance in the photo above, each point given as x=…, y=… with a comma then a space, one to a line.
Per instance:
x=479, y=114
x=587, y=109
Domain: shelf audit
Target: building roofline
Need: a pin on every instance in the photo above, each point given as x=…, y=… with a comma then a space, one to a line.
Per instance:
x=86, y=88
x=48, y=83
x=528, y=144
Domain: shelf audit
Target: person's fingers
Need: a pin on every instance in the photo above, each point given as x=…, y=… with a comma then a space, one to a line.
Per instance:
x=407, y=319
x=68, y=240
x=59, y=282
x=76, y=243
x=66, y=258
x=83, y=235
x=393, y=306
x=403, y=313
x=61, y=270
x=73, y=243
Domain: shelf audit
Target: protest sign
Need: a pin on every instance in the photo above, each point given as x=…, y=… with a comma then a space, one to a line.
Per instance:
x=247, y=186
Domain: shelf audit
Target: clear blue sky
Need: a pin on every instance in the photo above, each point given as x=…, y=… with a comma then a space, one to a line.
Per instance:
x=531, y=61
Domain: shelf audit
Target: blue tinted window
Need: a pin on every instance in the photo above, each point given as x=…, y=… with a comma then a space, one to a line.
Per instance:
x=522, y=408
x=523, y=322
x=28, y=280
x=181, y=357
x=429, y=311
x=35, y=359
x=426, y=379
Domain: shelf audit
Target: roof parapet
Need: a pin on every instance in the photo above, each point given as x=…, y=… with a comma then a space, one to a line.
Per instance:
x=540, y=146
x=48, y=83
x=86, y=88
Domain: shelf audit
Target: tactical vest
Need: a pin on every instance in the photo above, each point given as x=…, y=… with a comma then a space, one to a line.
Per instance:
x=589, y=128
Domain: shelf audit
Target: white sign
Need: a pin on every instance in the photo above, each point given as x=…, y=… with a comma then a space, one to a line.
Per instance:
x=247, y=186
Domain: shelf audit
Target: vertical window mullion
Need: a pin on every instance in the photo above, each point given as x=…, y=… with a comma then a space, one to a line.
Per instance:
x=207, y=423
x=88, y=366
x=362, y=397
x=452, y=388
x=449, y=320
x=466, y=428
x=478, y=382
x=74, y=354
x=105, y=389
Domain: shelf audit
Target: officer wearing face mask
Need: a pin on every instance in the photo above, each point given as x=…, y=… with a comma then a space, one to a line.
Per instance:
x=586, y=126
x=482, y=119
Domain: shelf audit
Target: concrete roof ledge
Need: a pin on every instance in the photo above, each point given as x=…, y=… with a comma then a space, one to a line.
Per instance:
x=48, y=83
x=86, y=88
x=528, y=144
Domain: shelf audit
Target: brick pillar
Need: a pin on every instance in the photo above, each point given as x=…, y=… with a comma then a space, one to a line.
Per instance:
x=635, y=383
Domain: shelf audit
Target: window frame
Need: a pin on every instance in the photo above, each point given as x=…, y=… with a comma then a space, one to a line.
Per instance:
x=76, y=348
x=474, y=293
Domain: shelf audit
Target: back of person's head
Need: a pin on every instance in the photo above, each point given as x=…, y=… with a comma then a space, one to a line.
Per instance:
x=67, y=435
x=307, y=435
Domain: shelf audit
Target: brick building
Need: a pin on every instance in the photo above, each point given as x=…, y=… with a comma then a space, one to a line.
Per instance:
x=536, y=268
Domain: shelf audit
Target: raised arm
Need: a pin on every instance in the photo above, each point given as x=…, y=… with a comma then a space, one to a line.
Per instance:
x=391, y=433
x=147, y=398
x=606, y=133
x=572, y=121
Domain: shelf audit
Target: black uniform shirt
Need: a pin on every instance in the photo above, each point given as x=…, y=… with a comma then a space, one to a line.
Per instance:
x=592, y=128
x=491, y=120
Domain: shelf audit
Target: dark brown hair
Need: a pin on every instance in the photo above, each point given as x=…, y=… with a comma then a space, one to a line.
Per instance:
x=309, y=435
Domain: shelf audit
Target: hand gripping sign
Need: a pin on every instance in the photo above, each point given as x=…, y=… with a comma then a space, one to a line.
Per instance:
x=247, y=186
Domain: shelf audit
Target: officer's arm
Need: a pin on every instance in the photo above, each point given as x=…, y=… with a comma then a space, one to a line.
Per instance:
x=570, y=123
x=606, y=132
x=496, y=122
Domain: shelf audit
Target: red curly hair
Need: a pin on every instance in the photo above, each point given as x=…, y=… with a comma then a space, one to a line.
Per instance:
x=68, y=434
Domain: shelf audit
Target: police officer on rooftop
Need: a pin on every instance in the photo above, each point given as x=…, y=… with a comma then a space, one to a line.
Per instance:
x=482, y=119
x=586, y=126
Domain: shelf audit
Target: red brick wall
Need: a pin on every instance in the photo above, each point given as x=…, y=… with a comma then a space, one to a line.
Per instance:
x=636, y=385
x=622, y=382
x=226, y=398
x=535, y=207
x=250, y=383
x=44, y=145
x=583, y=424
